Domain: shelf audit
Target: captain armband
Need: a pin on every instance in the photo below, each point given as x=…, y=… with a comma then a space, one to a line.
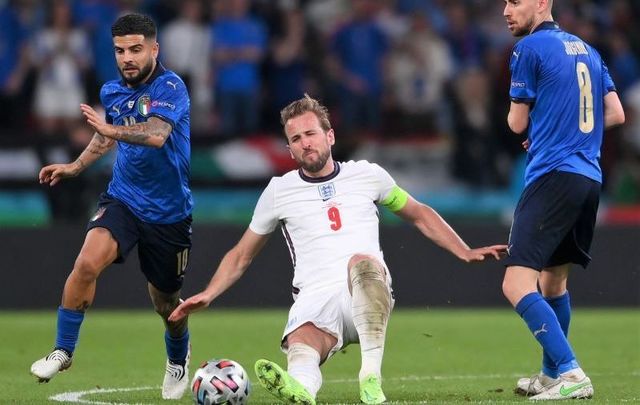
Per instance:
x=396, y=200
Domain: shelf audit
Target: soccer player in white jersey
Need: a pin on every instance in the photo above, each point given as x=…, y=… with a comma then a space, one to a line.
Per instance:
x=341, y=285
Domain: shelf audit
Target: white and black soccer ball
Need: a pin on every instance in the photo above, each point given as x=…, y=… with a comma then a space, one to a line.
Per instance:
x=220, y=381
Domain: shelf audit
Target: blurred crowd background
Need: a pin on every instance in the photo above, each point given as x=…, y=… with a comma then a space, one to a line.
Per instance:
x=419, y=86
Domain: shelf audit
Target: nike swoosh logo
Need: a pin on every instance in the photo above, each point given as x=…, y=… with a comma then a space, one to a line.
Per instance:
x=566, y=391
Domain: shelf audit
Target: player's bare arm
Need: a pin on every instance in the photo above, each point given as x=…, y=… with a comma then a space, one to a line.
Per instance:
x=230, y=269
x=613, y=111
x=518, y=118
x=52, y=174
x=434, y=227
x=153, y=133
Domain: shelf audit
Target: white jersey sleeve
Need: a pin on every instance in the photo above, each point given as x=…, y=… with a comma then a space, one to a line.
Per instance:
x=265, y=219
x=386, y=183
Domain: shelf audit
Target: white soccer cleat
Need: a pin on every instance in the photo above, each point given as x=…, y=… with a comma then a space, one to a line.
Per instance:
x=566, y=389
x=176, y=378
x=534, y=385
x=47, y=367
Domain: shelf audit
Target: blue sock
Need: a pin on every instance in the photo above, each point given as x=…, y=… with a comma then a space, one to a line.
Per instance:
x=544, y=325
x=69, y=322
x=561, y=305
x=177, y=348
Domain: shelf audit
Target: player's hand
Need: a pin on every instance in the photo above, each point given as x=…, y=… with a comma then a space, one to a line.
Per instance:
x=190, y=305
x=525, y=144
x=52, y=174
x=479, y=254
x=97, y=122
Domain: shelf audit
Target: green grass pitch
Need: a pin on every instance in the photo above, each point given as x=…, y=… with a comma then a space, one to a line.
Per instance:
x=432, y=355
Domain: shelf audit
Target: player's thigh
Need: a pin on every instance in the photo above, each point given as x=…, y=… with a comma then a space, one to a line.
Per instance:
x=98, y=251
x=547, y=211
x=576, y=244
x=320, y=308
x=119, y=221
x=164, y=250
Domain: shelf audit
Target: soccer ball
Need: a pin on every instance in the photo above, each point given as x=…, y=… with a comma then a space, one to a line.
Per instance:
x=220, y=381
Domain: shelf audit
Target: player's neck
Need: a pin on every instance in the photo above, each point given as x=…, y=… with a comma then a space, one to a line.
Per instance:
x=543, y=19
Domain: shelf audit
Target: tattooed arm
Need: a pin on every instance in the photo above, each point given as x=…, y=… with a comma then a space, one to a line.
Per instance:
x=153, y=133
x=98, y=146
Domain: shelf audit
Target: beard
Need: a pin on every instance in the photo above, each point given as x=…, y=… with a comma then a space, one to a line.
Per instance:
x=524, y=30
x=316, y=165
x=137, y=79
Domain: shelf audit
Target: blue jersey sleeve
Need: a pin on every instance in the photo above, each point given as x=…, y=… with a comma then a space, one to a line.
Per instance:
x=169, y=100
x=607, y=81
x=523, y=66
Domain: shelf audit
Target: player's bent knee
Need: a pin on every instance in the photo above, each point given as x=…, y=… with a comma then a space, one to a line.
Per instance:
x=87, y=268
x=355, y=259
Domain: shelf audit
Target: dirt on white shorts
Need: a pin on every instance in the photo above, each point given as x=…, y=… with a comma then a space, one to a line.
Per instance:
x=329, y=309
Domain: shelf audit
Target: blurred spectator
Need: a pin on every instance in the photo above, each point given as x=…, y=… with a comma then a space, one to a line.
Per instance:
x=475, y=140
x=239, y=44
x=466, y=40
x=184, y=48
x=95, y=17
x=286, y=72
x=61, y=56
x=419, y=70
x=14, y=66
x=623, y=64
x=358, y=55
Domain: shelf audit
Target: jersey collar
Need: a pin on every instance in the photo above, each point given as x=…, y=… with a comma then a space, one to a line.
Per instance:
x=547, y=25
x=333, y=174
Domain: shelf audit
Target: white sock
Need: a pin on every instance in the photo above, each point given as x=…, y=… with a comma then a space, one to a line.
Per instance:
x=370, y=305
x=303, y=364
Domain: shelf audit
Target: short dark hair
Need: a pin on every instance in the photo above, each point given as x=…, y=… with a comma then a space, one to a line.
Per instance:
x=134, y=24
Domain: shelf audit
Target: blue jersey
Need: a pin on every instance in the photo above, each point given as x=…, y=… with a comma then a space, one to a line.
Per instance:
x=564, y=80
x=152, y=182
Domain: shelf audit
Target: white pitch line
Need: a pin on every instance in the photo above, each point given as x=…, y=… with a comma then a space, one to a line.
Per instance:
x=77, y=396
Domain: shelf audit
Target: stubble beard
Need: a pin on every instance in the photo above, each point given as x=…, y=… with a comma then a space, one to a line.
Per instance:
x=137, y=79
x=525, y=29
x=315, y=166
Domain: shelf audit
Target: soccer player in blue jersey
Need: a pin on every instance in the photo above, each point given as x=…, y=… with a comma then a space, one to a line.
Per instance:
x=563, y=97
x=148, y=202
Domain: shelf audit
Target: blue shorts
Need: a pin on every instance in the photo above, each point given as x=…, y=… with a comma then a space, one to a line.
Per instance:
x=554, y=222
x=163, y=249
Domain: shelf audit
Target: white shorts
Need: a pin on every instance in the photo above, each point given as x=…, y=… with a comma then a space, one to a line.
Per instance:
x=328, y=309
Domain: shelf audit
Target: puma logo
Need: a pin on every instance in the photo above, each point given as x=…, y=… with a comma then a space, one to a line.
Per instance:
x=539, y=331
x=174, y=85
x=116, y=109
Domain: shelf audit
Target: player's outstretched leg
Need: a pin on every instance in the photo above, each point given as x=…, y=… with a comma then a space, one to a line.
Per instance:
x=371, y=306
x=280, y=384
x=534, y=385
x=50, y=365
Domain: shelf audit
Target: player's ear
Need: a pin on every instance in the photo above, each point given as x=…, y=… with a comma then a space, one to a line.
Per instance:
x=155, y=49
x=290, y=152
x=331, y=136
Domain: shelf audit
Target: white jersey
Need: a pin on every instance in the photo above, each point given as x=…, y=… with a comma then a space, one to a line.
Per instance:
x=325, y=221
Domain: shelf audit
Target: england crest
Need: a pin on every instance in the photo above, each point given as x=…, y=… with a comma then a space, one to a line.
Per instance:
x=327, y=191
